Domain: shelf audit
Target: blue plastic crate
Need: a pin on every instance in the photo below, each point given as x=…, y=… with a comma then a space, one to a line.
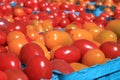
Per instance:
x=107, y=71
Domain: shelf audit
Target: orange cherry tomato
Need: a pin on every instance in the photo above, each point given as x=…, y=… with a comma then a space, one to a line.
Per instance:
x=18, y=11
x=57, y=37
x=80, y=34
x=71, y=26
x=106, y=35
x=15, y=45
x=92, y=28
x=47, y=25
x=37, y=25
x=15, y=35
x=30, y=27
x=93, y=57
x=8, y=18
x=40, y=38
x=32, y=34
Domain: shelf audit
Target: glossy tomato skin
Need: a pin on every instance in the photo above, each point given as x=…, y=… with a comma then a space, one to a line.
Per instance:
x=16, y=74
x=9, y=61
x=64, y=22
x=3, y=24
x=17, y=26
x=62, y=66
x=68, y=53
x=3, y=76
x=30, y=50
x=38, y=68
x=110, y=49
x=3, y=37
x=84, y=45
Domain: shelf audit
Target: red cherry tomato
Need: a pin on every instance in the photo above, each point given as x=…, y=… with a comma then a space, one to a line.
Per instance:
x=29, y=50
x=72, y=16
x=17, y=26
x=38, y=68
x=110, y=49
x=33, y=4
x=64, y=22
x=15, y=74
x=84, y=45
x=68, y=53
x=9, y=61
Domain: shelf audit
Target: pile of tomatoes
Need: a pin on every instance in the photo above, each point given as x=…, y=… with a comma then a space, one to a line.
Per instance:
x=39, y=36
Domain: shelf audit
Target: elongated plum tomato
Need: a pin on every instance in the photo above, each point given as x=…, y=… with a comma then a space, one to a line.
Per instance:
x=9, y=61
x=84, y=45
x=111, y=49
x=29, y=50
x=68, y=53
x=38, y=68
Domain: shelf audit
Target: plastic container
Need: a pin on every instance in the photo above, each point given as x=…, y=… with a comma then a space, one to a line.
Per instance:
x=107, y=71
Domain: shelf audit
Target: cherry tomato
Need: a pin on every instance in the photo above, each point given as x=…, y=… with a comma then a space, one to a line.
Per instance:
x=17, y=26
x=15, y=45
x=38, y=68
x=29, y=50
x=17, y=11
x=84, y=45
x=64, y=22
x=68, y=53
x=93, y=57
x=111, y=49
x=9, y=61
x=15, y=35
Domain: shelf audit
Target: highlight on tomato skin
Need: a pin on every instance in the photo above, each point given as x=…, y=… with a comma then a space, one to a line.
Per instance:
x=38, y=65
x=9, y=61
x=84, y=45
x=68, y=53
x=111, y=49
x=93, y=57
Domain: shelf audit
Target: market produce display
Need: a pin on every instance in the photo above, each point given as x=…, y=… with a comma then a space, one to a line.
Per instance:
x=42, y=39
